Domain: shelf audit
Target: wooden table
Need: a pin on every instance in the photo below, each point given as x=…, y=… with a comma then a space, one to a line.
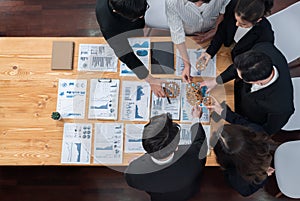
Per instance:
x=28, y=135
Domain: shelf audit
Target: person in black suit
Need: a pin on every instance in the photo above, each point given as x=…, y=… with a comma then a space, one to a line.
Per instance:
x=263, y=92
x=244, y=24
x=168, y=171
x=120, y=20
x=245, y=157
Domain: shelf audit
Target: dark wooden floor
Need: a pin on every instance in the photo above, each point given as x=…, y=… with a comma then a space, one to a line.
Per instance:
x=99, y=184
x=77, y=18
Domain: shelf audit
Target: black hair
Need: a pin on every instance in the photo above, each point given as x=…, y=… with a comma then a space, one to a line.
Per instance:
x=164, y=142
x=253, y=66
x=131, y=9
x=245, y=150
x=252, y=10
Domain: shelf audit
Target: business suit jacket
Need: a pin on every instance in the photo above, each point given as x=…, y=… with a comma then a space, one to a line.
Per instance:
x=177, y=181
x=260, y=32
x=116, y=30
x=270, y=107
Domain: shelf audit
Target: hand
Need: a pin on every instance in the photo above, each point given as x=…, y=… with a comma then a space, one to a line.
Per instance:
x=216, y=106
x=186, y=74
x=155, y=85
x=211, y=84
x=201, y=37
x=196, y=111
x=270, y=171
x=206, y=57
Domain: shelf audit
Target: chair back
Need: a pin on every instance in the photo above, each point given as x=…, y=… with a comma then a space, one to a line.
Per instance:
x=155, y=16
x=294, y=121
x=286, y=26
x=287, y=168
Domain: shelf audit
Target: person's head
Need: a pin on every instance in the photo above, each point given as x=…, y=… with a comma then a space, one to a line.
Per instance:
x=161, y=136
x=253, y=66
x=249, y=12
x=130, y=9
x=246, y=150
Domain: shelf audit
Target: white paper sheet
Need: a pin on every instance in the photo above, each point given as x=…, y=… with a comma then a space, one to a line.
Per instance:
x=76, y=144
x=71, y=98
x=141, y=48
x=161, y=105
x=108, y=143
x=133, y=138
x=104, y=98
x=97, y=57
x=135, y=101
x=186, y=137
x=194, y=54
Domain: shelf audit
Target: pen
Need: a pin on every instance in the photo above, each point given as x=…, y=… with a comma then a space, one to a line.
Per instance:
x=164, y=88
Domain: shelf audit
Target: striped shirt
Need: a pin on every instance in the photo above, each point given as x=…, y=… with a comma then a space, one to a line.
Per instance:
x=184, y=17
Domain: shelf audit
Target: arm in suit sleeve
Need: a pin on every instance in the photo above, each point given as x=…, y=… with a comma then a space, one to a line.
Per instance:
x=199, y=139
x=235, y=118
x=229, y=74
x=225, y=31
x=125, y=53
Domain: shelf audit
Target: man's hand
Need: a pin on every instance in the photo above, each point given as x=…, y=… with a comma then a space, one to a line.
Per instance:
x=216, y=106
x=186, y=74
x=196, y=111
x=211, y=84
x=155, y=85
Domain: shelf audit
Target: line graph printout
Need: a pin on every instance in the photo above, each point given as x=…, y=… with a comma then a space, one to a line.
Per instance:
x=71, y=98
x=97, y=57
x=135, y=101
x=108, y=143
x=76, y=144
x=103, y=102
x=194, y=54
x=133, y=138
x=141, y=48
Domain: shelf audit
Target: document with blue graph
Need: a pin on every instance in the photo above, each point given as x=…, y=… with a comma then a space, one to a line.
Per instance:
x=104, y=96
x=186, y=137
x=71, y=98
x=135, y=101
x=133, y=138
x=141, y=48
x=108, y=143
x=76, y=144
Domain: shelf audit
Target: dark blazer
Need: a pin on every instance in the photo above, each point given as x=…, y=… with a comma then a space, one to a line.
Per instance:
x=270, y=107
x=116, y=30
x=177, y=181
x=260, y=32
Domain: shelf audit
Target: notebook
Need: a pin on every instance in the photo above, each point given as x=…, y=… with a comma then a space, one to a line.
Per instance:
x=62, y=55
x=162, y=58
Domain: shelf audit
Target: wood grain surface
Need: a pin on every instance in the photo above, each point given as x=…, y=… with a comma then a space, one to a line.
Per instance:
x=28, y=135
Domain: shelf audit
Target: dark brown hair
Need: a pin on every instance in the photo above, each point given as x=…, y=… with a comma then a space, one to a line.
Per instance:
x=246, y=151
x=252, y=10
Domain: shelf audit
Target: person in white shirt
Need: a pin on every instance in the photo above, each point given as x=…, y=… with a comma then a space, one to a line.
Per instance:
x=186, y=17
